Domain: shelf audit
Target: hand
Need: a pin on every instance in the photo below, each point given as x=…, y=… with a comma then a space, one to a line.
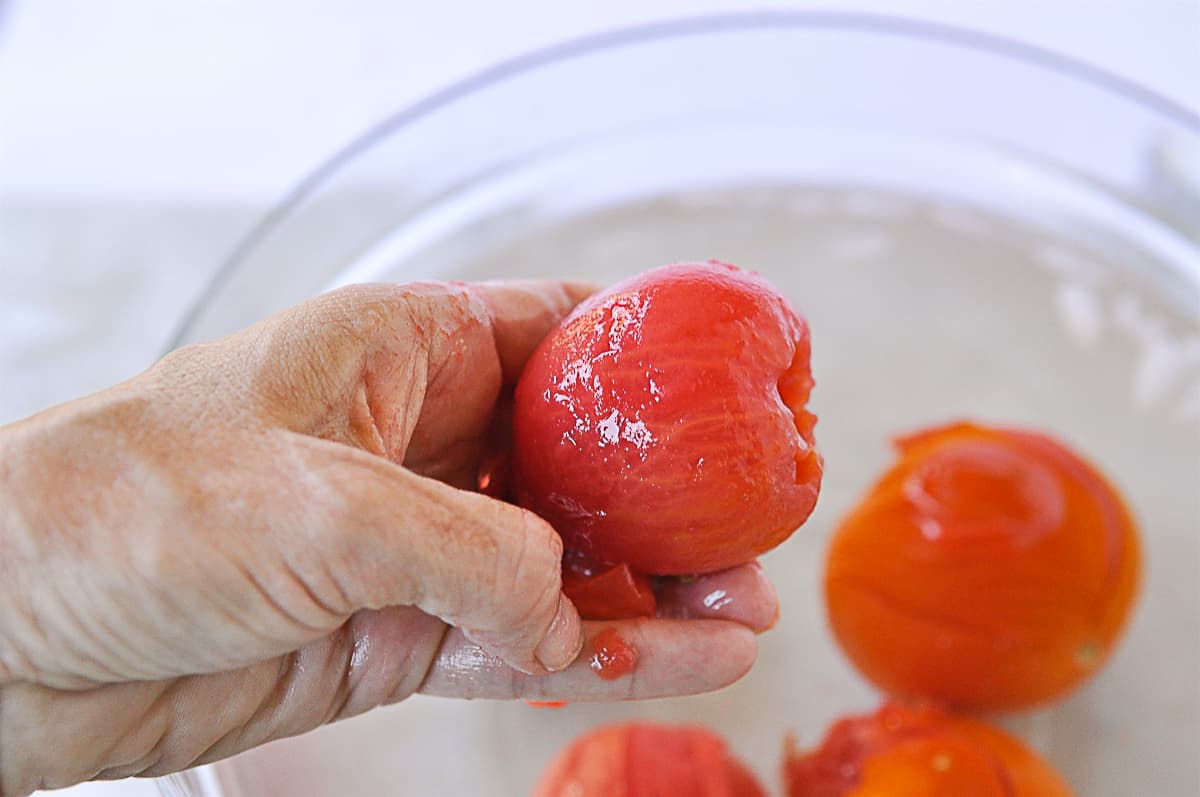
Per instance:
x=279, y=529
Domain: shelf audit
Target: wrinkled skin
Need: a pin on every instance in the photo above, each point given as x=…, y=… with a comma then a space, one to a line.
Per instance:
x=274, y=531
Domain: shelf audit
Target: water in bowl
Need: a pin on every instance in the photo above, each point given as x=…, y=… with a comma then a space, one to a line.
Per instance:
x=922, y=311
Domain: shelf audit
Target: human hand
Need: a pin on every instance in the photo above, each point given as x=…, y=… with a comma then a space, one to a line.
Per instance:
x=278, y=529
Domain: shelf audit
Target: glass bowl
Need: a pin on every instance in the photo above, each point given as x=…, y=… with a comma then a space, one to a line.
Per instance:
x=974, y=228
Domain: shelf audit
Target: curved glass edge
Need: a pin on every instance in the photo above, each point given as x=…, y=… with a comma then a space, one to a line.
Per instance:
x=707, y=24
x=201, y=781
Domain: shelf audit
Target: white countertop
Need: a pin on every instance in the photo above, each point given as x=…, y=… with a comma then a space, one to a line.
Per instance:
x=139, y=139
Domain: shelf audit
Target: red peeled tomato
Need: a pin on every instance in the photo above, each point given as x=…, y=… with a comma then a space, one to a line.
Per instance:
x=647, y=760
x=663, y=424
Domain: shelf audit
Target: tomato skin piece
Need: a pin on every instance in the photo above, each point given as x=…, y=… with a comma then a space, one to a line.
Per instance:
x=989, y=569
x=918, y=751
x=663, y=424
x=612, y=594
x=647, y=760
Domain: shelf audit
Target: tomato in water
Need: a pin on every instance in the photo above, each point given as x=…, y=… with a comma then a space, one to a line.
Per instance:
x=663, y=424
x=918, y=751
x=647, y=760
x=989, y=568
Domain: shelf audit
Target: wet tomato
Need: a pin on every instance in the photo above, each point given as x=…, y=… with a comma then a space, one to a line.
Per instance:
x=612, y=656
x=988, y=568
x=663, y=424
x=608, y=593
x=918, y=751
x=647, y=760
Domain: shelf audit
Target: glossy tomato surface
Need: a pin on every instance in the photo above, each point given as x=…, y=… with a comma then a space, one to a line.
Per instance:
x=663, y=425
x=647, y=760
x=989, y=568
x=918, y=751
x=612, y=593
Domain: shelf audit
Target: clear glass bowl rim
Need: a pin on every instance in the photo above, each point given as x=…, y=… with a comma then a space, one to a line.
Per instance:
x=737, y=22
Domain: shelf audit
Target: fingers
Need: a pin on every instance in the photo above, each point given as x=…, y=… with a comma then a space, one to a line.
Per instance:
x=400, y=370
x=482, y=565
x=56, y=738
x=522, y=313
x=740, y=594
x=673, y=658
x=364, y=364
x=390, y=537
x=155, y=727
x=507, y=321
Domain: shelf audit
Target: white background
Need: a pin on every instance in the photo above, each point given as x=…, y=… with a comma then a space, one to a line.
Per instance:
x=230, y=99
x=139, y=138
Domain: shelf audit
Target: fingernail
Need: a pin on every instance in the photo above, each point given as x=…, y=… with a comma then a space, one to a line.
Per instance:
x=563, y=640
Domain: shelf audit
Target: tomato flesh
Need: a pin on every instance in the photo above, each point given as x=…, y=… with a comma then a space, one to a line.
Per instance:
x=663, y=424
x=612, y=655
x=612, y=594
x=647, y=760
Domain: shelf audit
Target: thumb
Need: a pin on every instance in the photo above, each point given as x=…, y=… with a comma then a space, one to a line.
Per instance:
x=489, y=568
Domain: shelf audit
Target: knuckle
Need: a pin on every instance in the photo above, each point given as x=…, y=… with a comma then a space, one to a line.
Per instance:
x=337, y=508
x=531, y=567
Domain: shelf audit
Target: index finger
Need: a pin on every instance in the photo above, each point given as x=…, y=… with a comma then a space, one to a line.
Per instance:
x=523, y=312
x=471, y=364
x=674, y=658
x=742, y=594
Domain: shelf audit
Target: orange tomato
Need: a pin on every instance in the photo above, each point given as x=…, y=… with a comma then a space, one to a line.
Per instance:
x=647, y=760
x=988, y=568
x=918, y=751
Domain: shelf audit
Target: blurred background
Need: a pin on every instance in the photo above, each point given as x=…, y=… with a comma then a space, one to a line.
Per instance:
x=140, y=140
